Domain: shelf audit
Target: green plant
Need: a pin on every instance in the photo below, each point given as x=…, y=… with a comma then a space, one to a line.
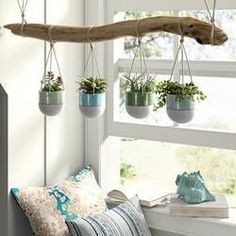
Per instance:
x=139, y=82
x=127, y=171
x=52, y=84
x=188, y=90
x=92, y=85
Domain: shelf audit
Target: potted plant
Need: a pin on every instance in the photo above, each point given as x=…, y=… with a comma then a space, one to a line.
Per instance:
x=139, y=96
x=51, y=94
x=179, y=99
x=92, y=96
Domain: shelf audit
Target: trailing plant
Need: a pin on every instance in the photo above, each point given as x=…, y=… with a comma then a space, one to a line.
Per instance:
x=52, y=83
x=90, y=85
x=188, y=90
x=139, y=82
x=127, y=171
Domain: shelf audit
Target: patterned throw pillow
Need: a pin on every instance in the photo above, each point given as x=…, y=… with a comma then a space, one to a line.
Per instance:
x=48, y=207
x=126, y=219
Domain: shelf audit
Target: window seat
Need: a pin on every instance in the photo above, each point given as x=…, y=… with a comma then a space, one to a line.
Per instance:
x=160, y=219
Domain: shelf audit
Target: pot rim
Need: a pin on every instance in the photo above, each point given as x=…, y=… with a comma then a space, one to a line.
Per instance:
x=61, y=91
x=91, y=93
x=174, y=95
x=140, y=92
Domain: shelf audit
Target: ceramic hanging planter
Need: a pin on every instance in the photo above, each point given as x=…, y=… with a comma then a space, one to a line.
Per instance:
x=140, y=88
x=179, y=100
x=139, y=104
x=179, y=111
x=50, y=103
x=178, y=96
x=92, y=105
x=51, y=95
x=92, y=96
x=52, y=87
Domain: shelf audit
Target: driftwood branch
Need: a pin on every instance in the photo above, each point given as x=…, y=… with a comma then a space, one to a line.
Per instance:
x=191, y=27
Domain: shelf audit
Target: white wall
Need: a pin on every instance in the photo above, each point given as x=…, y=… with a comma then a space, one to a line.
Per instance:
x=21, y=68
x=64, y=152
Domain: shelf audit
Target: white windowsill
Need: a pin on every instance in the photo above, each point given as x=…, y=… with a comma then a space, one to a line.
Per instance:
x=159, y=218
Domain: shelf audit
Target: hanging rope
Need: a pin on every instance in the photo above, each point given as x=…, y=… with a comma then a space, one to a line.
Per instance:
x=92, y=56
x=182, y=50
x=49, y=59
x=22, y=7
x=140, y=51
x=212, y=19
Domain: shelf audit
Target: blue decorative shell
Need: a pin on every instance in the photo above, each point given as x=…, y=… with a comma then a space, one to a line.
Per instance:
x=191, y=188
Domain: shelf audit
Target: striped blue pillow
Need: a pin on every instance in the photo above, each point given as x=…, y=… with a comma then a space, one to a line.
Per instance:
x=126, y=219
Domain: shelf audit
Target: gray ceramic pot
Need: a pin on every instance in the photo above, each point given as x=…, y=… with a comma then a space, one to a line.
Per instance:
x=179, y=111
x=139, y=105
x=50, y=103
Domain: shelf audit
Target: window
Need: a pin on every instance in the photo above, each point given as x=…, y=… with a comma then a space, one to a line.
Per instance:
x=214, y=132
x=150, y=167
x=151, y=144
x=159, y=48
x=211, y=72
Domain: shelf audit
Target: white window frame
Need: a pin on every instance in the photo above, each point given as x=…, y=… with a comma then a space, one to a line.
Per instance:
x=172, y=134
x=100, y=151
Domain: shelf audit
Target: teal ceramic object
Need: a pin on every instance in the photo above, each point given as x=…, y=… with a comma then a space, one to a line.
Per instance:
x=185, y=104
x=50, y=103
x=179, y=111
x=191, y=188
x=51, y=98
x=92, y=100
x=139, y=98
x=92, y=105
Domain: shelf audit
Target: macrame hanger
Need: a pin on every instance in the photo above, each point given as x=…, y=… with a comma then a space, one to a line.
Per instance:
x=139, y=51
x=51, y=53
x=22, y=7
x=92, y=55
x=212, y=19
x=142, y=55
x=182, y=50
x=52, y=45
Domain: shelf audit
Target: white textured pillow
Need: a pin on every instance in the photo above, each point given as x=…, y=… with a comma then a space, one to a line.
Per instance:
x=48, y=208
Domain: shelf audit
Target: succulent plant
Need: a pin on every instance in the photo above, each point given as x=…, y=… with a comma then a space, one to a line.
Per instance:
x=52, y=84
x=187, y=90
x=139, y=82
x=92, y=85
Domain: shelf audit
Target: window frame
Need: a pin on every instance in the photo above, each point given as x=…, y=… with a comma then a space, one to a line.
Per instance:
x=101, y=150
x=171, y=134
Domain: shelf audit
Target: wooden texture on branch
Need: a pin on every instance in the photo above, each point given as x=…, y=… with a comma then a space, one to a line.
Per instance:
x=191, y=27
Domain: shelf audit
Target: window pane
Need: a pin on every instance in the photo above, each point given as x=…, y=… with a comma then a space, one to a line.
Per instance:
x=156, y=45
x=225, y=19
x=216, y=112
x=150, y=167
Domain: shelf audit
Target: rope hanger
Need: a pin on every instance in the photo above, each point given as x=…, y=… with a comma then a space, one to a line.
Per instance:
x=22, y=6
x=140, y=51
x=212, y=19
x=92, y=53
x=49, y=59
x=182, y=50
x=92, y=56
